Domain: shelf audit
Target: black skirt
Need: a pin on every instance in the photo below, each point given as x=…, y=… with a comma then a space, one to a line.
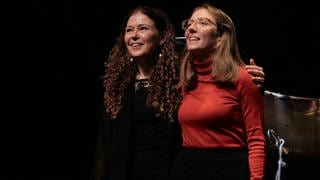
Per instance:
x=212, y=164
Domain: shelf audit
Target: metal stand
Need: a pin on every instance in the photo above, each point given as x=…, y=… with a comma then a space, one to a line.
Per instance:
x=278, y=142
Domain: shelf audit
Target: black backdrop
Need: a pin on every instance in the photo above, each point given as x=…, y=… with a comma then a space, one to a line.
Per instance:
x=53, y=59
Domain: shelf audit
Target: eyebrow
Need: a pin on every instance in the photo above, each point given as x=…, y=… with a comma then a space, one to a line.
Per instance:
x=203, y=18
x=139, y=25
x=213, y=22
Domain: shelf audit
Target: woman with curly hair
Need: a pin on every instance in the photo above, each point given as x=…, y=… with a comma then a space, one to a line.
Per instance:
x=139, y=135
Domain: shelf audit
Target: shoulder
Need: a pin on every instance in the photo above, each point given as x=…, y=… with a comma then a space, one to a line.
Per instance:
x=245, y=81
x=244, y=76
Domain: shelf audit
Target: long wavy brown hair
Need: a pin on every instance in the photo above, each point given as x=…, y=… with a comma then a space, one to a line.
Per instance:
x=120, y=72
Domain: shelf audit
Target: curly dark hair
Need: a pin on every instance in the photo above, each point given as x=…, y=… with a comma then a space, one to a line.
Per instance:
x=163, y=94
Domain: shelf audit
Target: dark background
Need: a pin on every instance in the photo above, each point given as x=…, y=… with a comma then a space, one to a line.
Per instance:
x=53, y=57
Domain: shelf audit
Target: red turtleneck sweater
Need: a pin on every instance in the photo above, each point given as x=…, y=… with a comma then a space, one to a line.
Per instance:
x=212, y=116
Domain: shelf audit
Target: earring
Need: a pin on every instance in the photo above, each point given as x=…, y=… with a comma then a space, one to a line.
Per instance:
x=160, y=55
x=131, y=59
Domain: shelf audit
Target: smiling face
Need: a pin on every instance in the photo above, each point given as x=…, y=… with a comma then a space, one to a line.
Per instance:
x=142, y=38
x=201, y=39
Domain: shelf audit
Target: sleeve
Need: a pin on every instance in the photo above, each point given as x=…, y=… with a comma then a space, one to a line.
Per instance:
x=253, y=115
x=100, y=161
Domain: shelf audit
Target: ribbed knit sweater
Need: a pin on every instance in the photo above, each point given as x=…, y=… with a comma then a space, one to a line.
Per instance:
x=215, y=116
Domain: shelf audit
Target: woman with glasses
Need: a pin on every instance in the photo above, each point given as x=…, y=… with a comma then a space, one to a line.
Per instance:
x=140, y=135
x=221, y=114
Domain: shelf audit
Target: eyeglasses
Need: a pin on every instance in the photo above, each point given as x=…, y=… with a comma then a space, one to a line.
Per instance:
x=199, y=22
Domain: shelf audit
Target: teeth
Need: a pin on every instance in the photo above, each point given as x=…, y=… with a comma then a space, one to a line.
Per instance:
x=193, y=38
x=135, y=45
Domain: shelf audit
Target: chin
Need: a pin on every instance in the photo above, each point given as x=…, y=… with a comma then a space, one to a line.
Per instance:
x=193, y=50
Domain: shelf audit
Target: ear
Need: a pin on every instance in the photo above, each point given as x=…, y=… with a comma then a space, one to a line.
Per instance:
x=162, y=38
x=218, y=40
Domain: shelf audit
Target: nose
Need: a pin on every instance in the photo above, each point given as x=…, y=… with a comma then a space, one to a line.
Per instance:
x=192, y=27
x=135, y=37
x=134, y=34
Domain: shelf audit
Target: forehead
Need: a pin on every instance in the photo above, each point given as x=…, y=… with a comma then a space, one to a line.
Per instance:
x=139, y=18
x=201, y=13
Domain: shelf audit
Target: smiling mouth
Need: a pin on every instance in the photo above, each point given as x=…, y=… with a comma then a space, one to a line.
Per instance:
x=135, y=44
x=193, y=39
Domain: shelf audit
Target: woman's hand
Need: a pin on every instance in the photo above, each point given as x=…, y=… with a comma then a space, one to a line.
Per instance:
x=256, y=72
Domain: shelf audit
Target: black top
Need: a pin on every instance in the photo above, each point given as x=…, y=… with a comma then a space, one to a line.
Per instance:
x=137, y=145
x=148, y=134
